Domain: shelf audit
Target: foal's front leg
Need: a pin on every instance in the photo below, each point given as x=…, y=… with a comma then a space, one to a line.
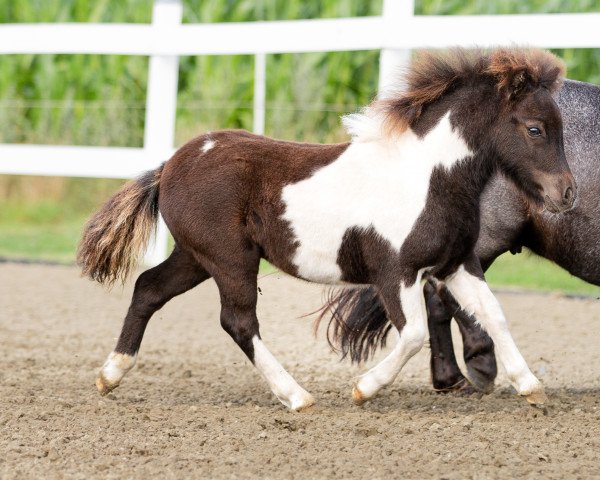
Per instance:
x=406, y=311
x=478, y=348
x=475, y=297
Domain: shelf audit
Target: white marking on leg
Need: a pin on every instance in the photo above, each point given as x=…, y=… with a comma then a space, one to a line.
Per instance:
x=113, y=370
x=476, y=298
x=410, y=341
x=281, y=382
x=376, y=183
x=208, y=145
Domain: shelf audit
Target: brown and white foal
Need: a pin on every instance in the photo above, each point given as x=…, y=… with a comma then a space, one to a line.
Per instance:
x=398, y=202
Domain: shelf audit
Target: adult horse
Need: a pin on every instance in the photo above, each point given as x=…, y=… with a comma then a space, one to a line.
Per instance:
x=398, y=202
x=509, y=222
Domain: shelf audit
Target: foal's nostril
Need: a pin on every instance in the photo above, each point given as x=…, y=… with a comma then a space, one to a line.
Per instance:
x=569, y=196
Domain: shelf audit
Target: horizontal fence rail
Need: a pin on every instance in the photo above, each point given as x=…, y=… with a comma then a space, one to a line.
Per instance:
x=567, y=30
x=395, y=33
x=69, y=161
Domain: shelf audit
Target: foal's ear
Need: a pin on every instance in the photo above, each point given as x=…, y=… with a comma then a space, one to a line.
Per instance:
x=517, y=71
x=513, y=77
x=519, y=84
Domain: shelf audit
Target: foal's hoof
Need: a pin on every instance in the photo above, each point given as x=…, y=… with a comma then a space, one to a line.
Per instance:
x=297, y=402
x=303, y=405
x=358, y=396
x=308, y=408
x=537, y=399
x=113, y=370
x=104, y=386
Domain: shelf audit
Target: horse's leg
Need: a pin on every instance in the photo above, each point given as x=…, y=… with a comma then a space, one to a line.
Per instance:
x=153, y=288
x=478, y=348
x=406, y=311
x=238, y=289
x=445, y=373
x=475, y=297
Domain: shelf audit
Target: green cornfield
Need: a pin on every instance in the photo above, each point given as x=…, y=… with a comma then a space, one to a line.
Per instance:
x=100, y=99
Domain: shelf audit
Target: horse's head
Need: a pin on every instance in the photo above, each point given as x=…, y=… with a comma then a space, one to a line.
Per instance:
x=527, y=134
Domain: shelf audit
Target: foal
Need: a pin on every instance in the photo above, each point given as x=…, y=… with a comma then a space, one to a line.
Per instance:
x=364, y=212
x=509, y=222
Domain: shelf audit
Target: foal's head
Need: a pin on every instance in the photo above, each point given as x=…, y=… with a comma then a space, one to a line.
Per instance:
x=502, y=103
x=528, y=131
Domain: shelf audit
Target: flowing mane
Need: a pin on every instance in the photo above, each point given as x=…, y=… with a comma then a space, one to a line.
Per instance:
x=433, y=74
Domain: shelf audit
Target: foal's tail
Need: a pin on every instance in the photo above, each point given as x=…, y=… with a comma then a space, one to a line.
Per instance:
x=115, y=235
x=358, y=323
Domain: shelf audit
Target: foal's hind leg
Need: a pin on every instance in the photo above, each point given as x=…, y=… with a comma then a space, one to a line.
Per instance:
x=238, y=289
x=475, y=297
x=153, y=288
x=405, y=303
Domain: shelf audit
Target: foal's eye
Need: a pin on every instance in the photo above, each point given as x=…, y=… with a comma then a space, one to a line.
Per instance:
x=534, y=132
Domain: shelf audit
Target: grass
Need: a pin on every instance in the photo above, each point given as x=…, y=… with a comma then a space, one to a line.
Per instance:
x=528, y=271
x=40, y=230
x=48, y=242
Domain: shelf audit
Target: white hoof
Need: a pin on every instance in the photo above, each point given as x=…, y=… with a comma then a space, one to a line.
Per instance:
x=298, y=402
x=531, y=388
x=113, y=370
x=537, y=399
x=365, y=388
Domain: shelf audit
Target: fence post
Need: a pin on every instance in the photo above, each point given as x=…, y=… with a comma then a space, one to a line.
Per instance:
x=396, y=13
x=161, y=109
x=260, y=88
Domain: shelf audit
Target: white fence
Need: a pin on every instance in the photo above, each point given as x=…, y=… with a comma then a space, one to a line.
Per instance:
x=394, y=33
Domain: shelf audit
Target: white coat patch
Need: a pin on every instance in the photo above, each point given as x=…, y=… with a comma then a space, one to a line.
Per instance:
x=376, y=182
x=208, y=145
x=281, y=382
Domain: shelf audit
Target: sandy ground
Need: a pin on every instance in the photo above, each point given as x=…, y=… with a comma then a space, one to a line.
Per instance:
x=195, y=407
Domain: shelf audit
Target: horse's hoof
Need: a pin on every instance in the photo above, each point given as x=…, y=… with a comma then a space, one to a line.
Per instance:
x=537, y=399
x=462, y=387
x=104, y=386
x=482, y=381
x=357, y=396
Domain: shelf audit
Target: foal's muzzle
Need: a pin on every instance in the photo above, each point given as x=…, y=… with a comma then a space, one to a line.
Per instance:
x=561, y=196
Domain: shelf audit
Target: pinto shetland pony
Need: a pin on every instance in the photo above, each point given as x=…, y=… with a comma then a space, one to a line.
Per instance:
x=397, y=203
x=509, y=222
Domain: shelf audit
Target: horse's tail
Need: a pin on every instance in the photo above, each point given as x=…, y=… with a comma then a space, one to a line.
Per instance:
x=116, y=234
x=358, y=323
